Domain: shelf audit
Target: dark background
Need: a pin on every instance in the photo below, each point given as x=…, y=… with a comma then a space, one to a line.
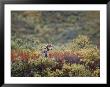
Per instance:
x=56, y=1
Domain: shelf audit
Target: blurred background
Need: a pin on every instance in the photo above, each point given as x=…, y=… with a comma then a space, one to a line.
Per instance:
x=56, y=27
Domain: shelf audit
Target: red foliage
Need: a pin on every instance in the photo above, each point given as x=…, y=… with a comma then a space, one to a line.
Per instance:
x=23, y=55
x=65, y=55
x=59, y=56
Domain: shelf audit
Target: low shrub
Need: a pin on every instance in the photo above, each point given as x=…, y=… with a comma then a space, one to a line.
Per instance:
x=96, y=73
x=18, y=68
x=75, y=70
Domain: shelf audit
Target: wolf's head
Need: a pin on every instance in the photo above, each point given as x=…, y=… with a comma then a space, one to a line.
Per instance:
x=49, y=47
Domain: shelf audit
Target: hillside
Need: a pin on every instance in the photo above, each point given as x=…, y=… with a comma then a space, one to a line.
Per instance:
x=56, y=26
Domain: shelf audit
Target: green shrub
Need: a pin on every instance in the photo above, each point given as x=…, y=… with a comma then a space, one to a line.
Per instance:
x=79, y=71
x=37, y=68
x=75, y=70
x=66, y=69
x=43, y=62
x=39, y=65
x=90, y=53
x=50, y=73
x=18, y=68
x=80, y=42
x=96, y=73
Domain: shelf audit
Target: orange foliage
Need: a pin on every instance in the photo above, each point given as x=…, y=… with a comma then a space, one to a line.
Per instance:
x=23, y=55
x=59, y=56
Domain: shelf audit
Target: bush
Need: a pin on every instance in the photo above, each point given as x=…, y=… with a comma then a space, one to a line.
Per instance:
x=18, y=68
x=41, y=64
x=96, y=73
x=80, y=42
x=44, y=67
x=79, y=71
x=50, y=73
x=90, y=53
x=90, y=57
x=79, y=58
x=75, y=70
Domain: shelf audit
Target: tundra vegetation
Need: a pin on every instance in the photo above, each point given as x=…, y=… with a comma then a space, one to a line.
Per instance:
x=75, y=39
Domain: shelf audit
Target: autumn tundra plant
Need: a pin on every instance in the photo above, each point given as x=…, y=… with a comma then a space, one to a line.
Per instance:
x=78, y=58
